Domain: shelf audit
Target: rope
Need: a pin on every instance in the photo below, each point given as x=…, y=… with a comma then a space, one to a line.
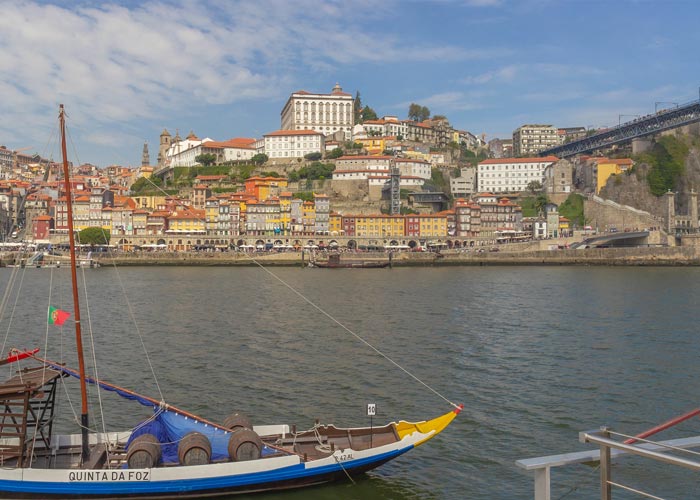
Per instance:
x=138, y=331
x=94, y=356
x=358, y=337
x=344, y=470
x=337, y=322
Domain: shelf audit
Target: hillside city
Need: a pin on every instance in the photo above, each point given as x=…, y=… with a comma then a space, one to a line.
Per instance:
x=334, y=168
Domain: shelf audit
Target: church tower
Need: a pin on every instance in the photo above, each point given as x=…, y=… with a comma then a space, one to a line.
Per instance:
x=145, y=157
x=165, y=141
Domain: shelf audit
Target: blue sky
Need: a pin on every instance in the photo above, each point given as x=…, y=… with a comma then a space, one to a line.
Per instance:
x=223, y=68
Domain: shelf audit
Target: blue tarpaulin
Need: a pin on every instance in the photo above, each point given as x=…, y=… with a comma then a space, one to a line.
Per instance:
x=167, y=425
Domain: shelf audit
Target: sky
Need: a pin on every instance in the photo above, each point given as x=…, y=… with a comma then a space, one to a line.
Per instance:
x=126, y=70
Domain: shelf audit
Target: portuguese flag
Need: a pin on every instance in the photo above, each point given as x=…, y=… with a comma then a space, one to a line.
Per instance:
x=57, y=316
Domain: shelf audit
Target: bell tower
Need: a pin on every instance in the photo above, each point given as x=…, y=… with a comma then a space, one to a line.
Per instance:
x=165, y=142
x=145, y=157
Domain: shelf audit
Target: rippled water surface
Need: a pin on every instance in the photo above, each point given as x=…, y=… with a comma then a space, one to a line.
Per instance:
x=536, y=354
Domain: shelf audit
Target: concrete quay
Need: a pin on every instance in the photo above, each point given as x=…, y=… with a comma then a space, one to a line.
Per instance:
x=640, y=256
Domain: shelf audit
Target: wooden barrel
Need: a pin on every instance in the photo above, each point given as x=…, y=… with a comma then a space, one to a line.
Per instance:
x=194, y=449
x=244, y=444
x=143, y=452
x=237, y=421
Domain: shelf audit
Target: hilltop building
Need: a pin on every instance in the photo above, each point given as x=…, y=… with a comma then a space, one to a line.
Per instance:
x=511, y=175
x=531, y=139
x=324, y=113
x=293, y=143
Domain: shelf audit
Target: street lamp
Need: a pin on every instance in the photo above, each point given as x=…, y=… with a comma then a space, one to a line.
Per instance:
x=619, y=118
x=656, y=104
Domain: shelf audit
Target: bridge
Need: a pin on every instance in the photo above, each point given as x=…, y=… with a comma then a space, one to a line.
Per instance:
x=617, y=239
x=641, y=127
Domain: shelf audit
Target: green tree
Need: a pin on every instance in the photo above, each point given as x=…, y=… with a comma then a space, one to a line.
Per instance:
x=368, y=114
x=93, y=236
x=143, y=184
x=418, y=113
x=259, y=158
x=293, y=176
x=534, y=186
x=540, y=203
x=572, y=209
x=335, y=153
x=667, y=161
x=357, y=107
x=313, y=156
x=206, y=159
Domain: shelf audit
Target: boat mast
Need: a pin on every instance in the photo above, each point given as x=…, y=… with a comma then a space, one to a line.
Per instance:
x=74, y=279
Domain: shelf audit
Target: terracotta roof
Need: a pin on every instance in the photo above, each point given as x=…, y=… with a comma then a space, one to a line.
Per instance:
x=495, y=161
x=292, y=132
x=210, y=177
x=236, y=142
x=366, y=157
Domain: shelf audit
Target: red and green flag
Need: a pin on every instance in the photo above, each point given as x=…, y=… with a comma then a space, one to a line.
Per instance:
x=57, y=316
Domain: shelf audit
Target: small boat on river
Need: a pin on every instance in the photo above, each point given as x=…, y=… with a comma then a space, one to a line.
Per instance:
x=334, y=262
x=173, y=453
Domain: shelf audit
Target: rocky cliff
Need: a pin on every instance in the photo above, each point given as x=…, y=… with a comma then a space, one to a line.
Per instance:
x=633, y=188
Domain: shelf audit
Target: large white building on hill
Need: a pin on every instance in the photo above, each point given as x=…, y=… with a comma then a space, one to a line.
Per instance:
x=293, y=143
x=324, y=113
x=511, y=175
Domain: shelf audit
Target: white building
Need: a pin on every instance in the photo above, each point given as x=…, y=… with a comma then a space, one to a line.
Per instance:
x=531, y=139
x=464, y=185
x=236, y=149
x=324, y=113
x=293, y=143
x=181, y=153
x=410, y=167
x=511, y=175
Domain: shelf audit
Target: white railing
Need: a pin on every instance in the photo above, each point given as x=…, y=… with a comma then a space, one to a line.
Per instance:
x=611, y=449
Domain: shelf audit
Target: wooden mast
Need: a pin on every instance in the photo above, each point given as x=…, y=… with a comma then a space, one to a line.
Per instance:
x=74, y=279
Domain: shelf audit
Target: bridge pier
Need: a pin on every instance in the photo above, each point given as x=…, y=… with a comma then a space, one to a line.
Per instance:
x=640, y=145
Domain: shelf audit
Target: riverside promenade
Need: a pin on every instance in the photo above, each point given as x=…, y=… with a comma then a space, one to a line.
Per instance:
x=640, y=256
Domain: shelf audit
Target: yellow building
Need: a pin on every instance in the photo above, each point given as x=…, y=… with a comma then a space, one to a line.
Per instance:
x=379, y=226
x=81, y=212
x=308, y=214
x=373, y=145
x=285, y=211
x=432, y=225
x=185, y=222
x=139, y=220
x=606, y=167
x=149, y=202
x=335, y=224
x=211, y=213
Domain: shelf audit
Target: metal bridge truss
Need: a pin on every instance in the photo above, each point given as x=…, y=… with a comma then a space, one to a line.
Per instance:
x=641, y=127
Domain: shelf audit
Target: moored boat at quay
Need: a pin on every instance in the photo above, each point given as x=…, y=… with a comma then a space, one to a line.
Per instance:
x=172, y=453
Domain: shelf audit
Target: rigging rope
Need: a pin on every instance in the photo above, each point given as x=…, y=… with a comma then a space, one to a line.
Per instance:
x=341, y=325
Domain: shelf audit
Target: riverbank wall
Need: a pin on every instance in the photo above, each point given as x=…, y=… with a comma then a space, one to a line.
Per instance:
x=642, y=256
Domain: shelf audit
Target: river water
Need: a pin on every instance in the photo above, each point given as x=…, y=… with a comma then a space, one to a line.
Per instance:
x=536, y=354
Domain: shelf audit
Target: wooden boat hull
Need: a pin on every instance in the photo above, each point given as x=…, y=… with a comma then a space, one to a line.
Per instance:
x=217, y=479
x=352, y=265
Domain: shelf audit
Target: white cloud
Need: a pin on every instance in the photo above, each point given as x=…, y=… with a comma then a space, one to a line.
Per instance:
x=520, y=73
x=483, y=3
x=112, y=64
